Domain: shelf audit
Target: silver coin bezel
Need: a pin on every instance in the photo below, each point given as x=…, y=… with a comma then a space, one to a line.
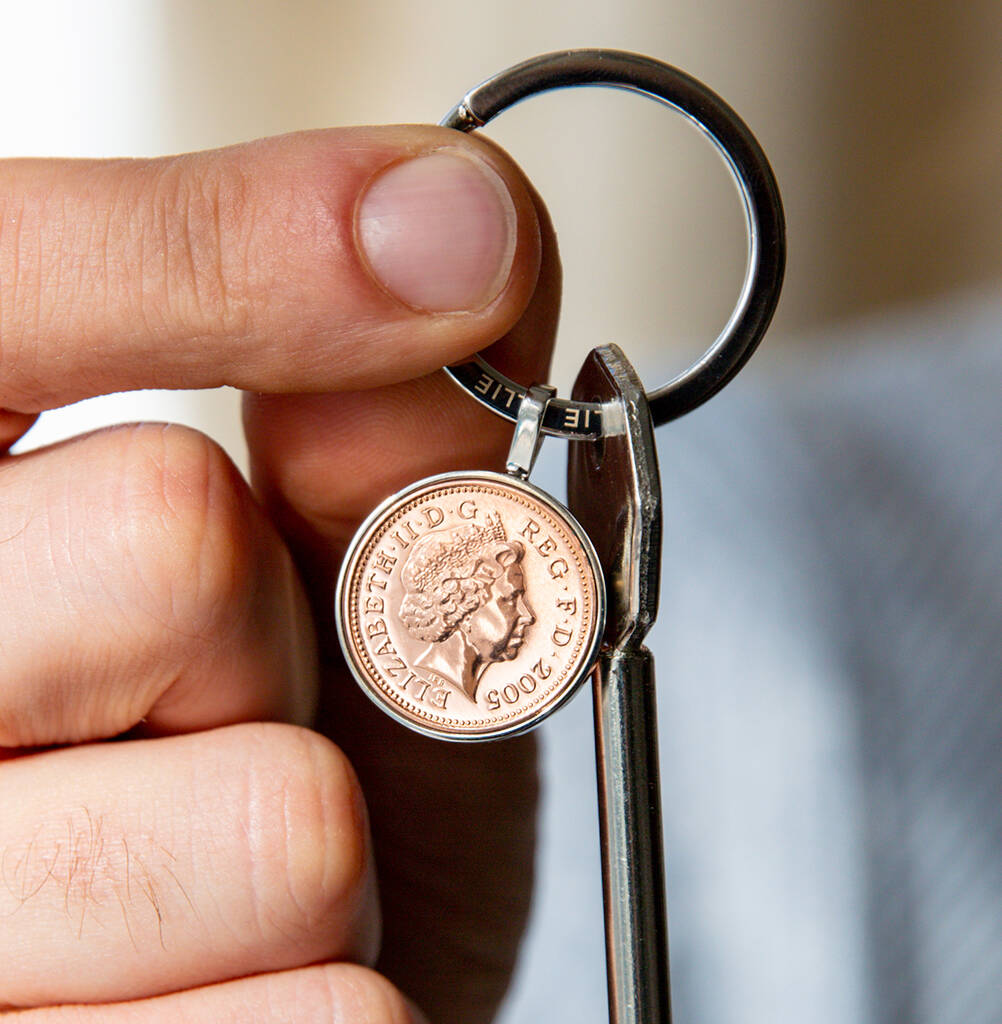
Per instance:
x=359, y=543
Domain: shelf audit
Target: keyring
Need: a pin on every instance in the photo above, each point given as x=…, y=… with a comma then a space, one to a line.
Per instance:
x=764, y=226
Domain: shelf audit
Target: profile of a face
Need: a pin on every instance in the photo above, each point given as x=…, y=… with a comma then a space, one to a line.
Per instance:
x=497, y=627
x=465, y=596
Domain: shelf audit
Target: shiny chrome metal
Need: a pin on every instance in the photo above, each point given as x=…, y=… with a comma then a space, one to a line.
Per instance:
x=528, y=434
x=764, y=222
x=614, y=490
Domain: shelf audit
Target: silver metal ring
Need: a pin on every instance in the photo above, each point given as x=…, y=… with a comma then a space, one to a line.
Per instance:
x=763, y=222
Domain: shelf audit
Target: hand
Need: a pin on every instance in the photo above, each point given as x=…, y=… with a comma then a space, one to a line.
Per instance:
x=198, y=866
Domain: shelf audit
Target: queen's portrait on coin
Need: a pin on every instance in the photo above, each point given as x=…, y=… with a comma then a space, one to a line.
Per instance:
x=465, y=596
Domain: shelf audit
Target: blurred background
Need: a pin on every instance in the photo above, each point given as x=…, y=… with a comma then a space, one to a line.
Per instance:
x=882, y=122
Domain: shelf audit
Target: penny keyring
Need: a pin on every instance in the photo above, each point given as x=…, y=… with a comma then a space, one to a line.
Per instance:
x=471, y=605
x=760, y=199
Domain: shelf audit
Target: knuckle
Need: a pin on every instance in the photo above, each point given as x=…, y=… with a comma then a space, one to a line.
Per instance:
x=38, y=274
x=185, y=516
x=311, y=871
x=11, y=279
x=198, y=210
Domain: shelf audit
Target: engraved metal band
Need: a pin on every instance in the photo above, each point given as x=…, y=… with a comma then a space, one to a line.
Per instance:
x=763, y=222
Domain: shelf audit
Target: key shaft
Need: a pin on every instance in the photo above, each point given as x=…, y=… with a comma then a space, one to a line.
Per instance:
x=614, y=490
x=630, y=826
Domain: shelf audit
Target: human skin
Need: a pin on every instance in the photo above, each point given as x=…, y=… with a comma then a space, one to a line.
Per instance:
x=219, y=860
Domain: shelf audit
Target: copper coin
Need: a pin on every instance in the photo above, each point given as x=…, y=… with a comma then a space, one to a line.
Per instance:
x=470, y=606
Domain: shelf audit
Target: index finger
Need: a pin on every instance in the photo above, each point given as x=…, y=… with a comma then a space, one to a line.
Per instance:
x=318, y=261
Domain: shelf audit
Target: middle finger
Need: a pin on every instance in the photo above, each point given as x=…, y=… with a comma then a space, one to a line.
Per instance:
x=142, y=582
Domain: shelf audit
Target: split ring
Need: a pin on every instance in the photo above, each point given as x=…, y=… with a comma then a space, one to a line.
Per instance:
x=764, y=226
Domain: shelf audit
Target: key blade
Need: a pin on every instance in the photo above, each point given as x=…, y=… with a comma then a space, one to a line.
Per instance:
x=614, y=491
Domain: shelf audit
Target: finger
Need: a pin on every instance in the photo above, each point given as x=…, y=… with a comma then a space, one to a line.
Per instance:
x=312, y=262
x=13, y=426
x=322, y=462
x=456, y=896
x=142, y=583
x=312, y=995
x=132, y=869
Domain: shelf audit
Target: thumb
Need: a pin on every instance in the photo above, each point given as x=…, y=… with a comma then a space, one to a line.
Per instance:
x=320, y=261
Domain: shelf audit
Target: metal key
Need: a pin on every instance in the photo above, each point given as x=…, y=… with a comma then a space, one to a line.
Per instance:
x=614, y=490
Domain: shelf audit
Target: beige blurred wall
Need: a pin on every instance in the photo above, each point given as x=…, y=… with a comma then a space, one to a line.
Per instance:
x=882, y=121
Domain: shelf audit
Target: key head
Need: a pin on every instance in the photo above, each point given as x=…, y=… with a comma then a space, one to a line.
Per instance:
x=614, y=491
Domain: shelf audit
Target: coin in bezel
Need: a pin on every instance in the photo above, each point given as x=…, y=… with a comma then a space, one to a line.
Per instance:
x=470, y=606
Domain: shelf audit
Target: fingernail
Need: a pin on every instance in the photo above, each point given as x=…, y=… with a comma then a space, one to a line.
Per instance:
x=438, y=232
